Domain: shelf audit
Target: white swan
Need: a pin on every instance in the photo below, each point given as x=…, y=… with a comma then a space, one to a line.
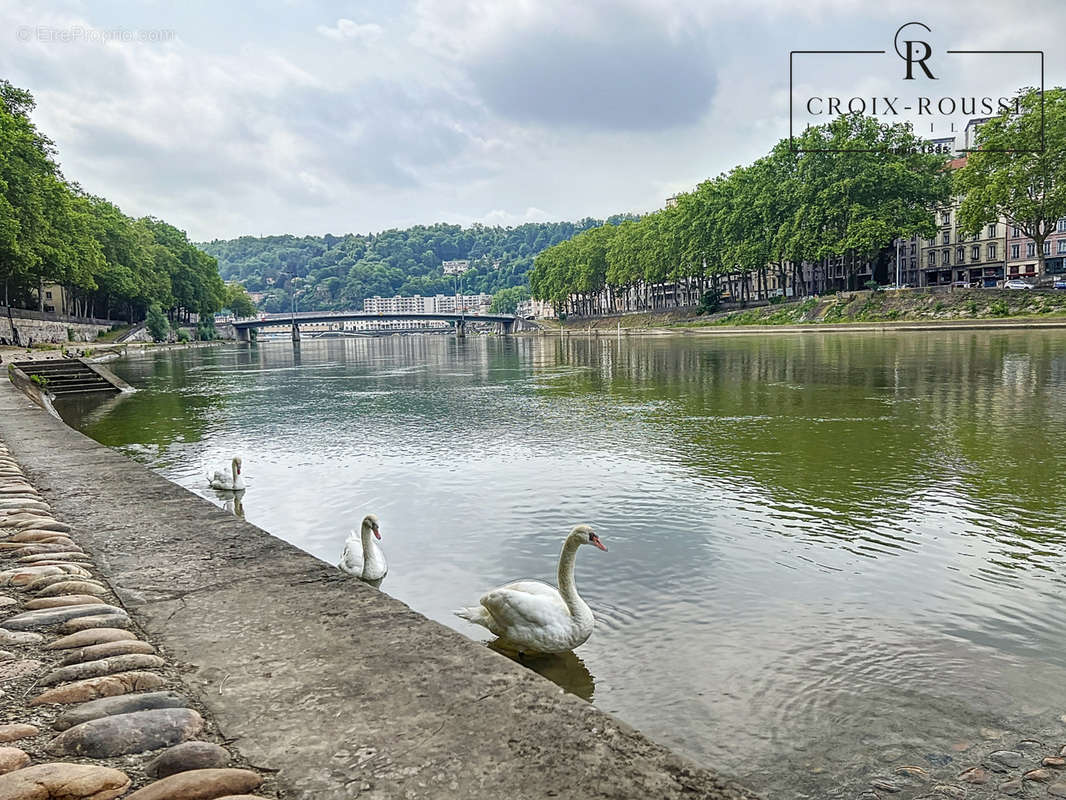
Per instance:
x=534, y=617
x=228, y=483
x=362, y=557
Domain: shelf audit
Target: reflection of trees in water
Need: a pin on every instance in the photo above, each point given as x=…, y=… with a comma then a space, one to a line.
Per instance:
x=846, y=427
x=565, y=670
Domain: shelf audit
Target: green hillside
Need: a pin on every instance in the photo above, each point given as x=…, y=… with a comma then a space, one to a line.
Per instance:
x=339, y=271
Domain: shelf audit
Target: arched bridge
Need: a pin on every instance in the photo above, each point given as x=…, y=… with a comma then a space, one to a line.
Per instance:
x=506, y=322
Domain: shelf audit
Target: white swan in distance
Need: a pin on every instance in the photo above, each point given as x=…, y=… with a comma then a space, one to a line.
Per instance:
x=534, y=617
x=362, y=557
x=228, y=483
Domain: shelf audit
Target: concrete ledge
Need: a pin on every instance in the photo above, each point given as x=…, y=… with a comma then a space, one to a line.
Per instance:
x=342, y=690
x=21, y=381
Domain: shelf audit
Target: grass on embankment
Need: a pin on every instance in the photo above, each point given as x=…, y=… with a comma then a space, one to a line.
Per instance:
x=908, y=305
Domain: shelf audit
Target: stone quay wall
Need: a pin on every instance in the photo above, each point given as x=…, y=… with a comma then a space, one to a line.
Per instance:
x=37, y=327
x=326, y=685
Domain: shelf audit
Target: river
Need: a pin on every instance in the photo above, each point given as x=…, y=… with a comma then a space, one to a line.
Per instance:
x=829, y=554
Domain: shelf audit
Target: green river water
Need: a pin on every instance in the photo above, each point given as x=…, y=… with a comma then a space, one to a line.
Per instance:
x=829, y=554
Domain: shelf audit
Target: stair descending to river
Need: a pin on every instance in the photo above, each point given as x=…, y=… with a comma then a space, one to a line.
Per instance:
x=63, y=376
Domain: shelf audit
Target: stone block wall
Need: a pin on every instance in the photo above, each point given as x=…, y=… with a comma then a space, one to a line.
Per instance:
x=37, y=331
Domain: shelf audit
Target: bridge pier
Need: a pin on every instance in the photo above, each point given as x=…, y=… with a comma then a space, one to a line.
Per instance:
x=243, y=335
x=460, y=329
x=295, y=332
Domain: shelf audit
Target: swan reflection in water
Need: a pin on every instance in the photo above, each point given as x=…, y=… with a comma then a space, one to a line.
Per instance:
x=565, y=670
x=233, y=502
x=235, y=505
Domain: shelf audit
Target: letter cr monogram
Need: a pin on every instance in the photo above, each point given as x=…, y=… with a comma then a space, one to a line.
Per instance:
x=917, y=52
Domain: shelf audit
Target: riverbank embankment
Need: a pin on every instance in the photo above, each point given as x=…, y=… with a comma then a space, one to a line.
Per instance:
x=865, y=311
x=331, y=687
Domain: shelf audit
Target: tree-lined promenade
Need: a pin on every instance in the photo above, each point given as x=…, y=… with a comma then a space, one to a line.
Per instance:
x=837, y=194
x=111, y=265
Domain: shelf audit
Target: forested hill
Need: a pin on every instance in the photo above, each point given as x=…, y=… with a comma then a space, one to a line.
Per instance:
x=339, y=271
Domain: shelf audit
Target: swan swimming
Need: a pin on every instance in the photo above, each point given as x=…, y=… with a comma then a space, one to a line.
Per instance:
x=535, y=617
x=228, y=483
x=362, y=556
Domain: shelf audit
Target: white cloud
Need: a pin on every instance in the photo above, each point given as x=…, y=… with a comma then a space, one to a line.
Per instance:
x=367, y=33
x=461, y=110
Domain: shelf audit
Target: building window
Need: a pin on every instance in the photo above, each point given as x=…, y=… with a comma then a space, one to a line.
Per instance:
x=945, y=218
x=47, y=295
x=1030, y=249
x=1016, y=232
x=914, y=263
x=1047, y=247
x=975, y=253
x=947, y=237
x=1062, y=245
x=912, y=248
x=1062, y=225
x=932, y=258
x=960, y=255
x=991, y=251
x=945, y=257
x=932, y=242
x=991, y=230
x=1015, y=250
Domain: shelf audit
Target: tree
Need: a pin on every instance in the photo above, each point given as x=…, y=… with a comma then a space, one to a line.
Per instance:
x=238, y=301
x=506, y=301
x=1018, y=170
x=157, y=323
x=52, y=231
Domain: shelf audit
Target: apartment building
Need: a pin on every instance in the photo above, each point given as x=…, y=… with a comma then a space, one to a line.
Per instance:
x=437, y=304
x=951, y=257
x=535, y=309
x=1022, y=259
x=415, y=304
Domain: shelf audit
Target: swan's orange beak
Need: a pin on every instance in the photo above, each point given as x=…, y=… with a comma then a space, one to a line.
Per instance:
x=596, y=541
x=377, y=533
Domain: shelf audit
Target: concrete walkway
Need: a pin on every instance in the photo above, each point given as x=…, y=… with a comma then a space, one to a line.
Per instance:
x=341, y=690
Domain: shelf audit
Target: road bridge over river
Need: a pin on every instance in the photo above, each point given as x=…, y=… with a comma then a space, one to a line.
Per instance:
x=506, y=323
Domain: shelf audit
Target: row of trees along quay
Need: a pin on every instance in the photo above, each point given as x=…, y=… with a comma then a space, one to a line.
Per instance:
x=837, y=195
x=110, y=265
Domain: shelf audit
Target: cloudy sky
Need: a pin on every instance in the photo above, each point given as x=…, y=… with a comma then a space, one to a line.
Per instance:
x=312, y=117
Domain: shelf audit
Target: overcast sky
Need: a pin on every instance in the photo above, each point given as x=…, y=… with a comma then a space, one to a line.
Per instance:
x=331, y=117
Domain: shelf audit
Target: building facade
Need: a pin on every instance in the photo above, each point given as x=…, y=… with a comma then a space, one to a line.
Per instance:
x=535, y=309
x=437, y=304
